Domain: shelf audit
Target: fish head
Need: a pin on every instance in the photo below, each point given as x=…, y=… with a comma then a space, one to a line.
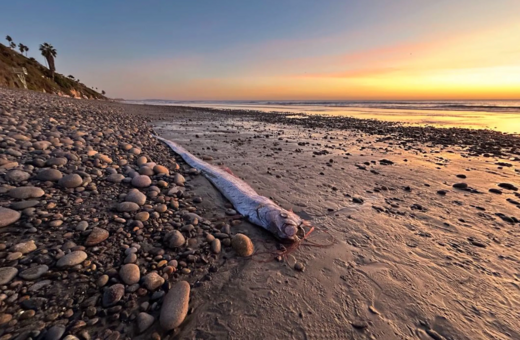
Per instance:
x=285, y=224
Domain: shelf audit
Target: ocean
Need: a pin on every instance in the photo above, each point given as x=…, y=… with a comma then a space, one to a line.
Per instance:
x=501, y=115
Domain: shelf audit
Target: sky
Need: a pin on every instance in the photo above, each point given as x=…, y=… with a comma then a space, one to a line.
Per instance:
x=279, y=49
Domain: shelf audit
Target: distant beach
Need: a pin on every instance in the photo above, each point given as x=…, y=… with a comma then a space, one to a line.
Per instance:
x=500, y=115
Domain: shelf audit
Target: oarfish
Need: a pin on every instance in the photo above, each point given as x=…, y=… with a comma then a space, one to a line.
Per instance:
x=259, y=210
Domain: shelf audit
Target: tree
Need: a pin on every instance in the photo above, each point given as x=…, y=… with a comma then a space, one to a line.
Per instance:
x=71, y=76
x=12, y=45
x=49, y=52
x=103, y=92
x=9, y=39
x=26, y=49
x=21, y=47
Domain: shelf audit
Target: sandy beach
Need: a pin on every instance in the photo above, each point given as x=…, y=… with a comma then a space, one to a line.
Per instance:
x=416, y=229
x=425, y=229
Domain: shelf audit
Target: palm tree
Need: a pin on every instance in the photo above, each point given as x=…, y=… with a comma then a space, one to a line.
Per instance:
x=103, y=92
x=26, y=50
x=8, y=38
x=12, y=45
x=49, y=52
x=21, y=47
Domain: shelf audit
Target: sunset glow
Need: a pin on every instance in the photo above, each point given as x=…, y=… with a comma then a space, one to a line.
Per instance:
x=339, y=50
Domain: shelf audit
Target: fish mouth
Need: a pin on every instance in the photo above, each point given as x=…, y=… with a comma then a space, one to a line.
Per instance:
x=290, y=230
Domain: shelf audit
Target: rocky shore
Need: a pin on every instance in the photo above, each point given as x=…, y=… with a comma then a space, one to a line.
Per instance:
x=101, y=235
x=106, y=234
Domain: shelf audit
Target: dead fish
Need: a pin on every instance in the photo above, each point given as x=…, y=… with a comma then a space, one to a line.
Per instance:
x=259, y=210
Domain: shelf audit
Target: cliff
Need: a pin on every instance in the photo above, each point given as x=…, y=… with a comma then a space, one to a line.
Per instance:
x=38, y=77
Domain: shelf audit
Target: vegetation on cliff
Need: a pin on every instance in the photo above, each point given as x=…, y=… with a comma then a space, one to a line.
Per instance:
x=38, y=77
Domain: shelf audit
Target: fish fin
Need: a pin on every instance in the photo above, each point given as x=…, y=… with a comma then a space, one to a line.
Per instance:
x=228, y=170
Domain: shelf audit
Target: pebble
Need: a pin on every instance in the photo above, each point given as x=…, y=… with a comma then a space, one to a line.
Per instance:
x=144, y=321
x=34, y=273
x=25, y=247
x=26, y=192
x=142, y=216
x=72, y=259
x=152, y=281
x=159, y=169
x=127, y=207
x=136, y=196
x=5, y=318
x=508, y=186
x=102, y=280
x=97, y=236
x=175, y=306
x=179, y=179
x=175, y=239
x=113, y=294
x=8, y=216
x=71, y=181
x=17, y=176
x=242, y=245
x=460, y=185
x=130, y=273
x=55, y=332
x=52, y=175
x=215, y=246
x=141, y=181
x=7, y=274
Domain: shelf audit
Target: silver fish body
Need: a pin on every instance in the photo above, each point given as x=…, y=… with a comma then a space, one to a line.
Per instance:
x=258, y=209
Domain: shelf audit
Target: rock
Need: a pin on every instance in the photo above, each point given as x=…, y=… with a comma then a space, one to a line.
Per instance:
x=242, y=245
x=141, y=181
x=141, y=160
x=136, y=196
x=97, y=236
x=26, y=192
x=127, y=207
x=34, y=273
x=115, y=178
x=152, y=281
x=175, y=306
x=130, y=273
x=104, y=158
x=460, y=186
x=175, y=239
x=8, y=216
x=5, y=318
x=25, y=247
x=55, y=332
x=72, y=259
x=299, y=266
x=495, y=191
x=113, y=294
x=508, y=186
x=58, y=161
x=102, y=280
x=52, y=175
x=142, y=216
x=17, y=176
x=24, y=204
x=71, y=181
x=159, y=169
x=7, y=274
x=146, y=170
x=82, y=226
x=144, y=321
x=215, y=246
x=179, y=179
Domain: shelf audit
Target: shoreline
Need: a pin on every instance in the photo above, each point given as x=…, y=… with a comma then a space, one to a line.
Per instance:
x=394, y=204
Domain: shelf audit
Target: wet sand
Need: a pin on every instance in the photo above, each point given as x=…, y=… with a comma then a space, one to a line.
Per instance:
x=413, y=258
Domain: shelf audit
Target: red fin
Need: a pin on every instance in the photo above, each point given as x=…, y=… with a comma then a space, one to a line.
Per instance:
x=228, y=170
